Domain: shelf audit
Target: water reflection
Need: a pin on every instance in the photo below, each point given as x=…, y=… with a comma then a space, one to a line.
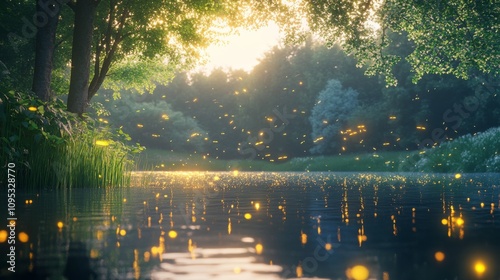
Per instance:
x=78, y=263
x=264, y=226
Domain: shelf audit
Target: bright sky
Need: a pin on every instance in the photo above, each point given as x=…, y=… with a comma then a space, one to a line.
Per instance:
x=241, y=51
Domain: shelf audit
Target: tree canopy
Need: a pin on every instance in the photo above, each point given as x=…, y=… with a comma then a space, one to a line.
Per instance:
x=456, y=37
x=136, y=45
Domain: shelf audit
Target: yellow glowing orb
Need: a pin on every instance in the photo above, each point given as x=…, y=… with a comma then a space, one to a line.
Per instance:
x=236, y=172
x=458, y=176
x=102, y=143
x=60, y=225
x=303, y=238
x=439, y=256
x=479, y=267
x=257, y=206
x=155, y=250
x=259, y=248
x=248, y=216
x=3, y=236
x=172, y=234
x=32, y=108
x=94, y=253
x=460, y=221
x=299, y=271
x=237, y=270
x=23, y=237
x=444, y=221
x=359, y=272
x=328, y=246
x=123, y=232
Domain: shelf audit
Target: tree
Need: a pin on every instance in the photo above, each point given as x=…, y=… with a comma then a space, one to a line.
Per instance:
x=456, y=37
x=333, y=108
x=48, y=12
x=130, y=32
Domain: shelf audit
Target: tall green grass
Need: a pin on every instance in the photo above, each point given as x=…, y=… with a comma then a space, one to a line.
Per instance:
x=53, y=148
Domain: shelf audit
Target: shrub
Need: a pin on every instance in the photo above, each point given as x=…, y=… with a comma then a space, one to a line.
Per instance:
x=54, y=148
x=470, y=153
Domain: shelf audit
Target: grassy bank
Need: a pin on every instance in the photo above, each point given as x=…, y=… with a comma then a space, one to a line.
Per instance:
x=152, y=159
x=468, y=153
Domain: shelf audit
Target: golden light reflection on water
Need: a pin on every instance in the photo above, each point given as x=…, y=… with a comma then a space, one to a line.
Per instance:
x=378, y=210
x=299, y=271
x=23, y=237
x=303, y=238
x=358, y=272
x=259, y=248
x=172, y=234
x=135, y=265
x=439, y=256
x=479, y=267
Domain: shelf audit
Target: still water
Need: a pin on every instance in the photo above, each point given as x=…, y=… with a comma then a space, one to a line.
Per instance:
x=237, y=225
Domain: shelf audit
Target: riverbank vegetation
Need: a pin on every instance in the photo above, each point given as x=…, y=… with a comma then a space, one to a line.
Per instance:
x=53, y=148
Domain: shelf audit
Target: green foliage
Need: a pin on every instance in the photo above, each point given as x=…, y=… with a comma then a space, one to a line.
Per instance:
x=456, y=37
x=140, y=76
x=54, y=148
x=234, y=107
x=469, y=153
x=333, y=108
x=153, y=124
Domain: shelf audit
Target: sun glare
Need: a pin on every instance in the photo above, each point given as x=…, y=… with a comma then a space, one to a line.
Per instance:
x=242, y=50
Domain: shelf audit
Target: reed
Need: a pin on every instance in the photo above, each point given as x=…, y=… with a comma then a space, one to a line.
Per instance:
x=54, y=148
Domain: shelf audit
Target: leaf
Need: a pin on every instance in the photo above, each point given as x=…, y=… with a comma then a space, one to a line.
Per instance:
x=13, y=138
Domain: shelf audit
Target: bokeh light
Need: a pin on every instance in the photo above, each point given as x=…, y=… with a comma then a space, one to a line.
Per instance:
x=358, y=272
x=479, y=267
x=259, y=248
x=172, y=234
x=3, y=236
x=439, y=256
x=102, y=143
x=257, y=206
x=23, y=237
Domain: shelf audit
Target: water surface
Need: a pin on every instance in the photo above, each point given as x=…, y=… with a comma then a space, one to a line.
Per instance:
x=238, y=225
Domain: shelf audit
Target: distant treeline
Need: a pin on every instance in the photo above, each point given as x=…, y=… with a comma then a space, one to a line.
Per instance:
x=268, y=113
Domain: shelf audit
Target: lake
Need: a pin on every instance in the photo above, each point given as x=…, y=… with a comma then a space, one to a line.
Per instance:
x=263, y=225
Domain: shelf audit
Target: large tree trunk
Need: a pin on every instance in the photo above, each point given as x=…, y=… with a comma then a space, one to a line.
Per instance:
x=47, y=19
x=80, y=56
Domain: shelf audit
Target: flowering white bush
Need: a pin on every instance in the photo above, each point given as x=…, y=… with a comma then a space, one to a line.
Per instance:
x=468, y=153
